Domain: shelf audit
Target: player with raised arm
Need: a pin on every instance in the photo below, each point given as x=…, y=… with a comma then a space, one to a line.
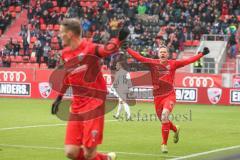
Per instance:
x=81, y=57
x=163, y=74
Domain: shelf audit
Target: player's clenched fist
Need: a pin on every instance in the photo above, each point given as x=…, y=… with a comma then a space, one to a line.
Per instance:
x=205, y=50
x=123, y=33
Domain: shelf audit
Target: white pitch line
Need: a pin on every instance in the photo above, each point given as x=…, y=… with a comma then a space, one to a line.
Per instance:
x=58, y=148
x=35, y=126
x=38, y=126
x=206, y=153
x=31, y=147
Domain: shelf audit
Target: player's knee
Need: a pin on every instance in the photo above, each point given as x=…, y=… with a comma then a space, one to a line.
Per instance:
x=164, y=118
x=71, y=154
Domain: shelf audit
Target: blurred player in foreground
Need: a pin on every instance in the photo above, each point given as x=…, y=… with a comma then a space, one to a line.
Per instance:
x=162, y=73
x=81, y=59
x=121, y=86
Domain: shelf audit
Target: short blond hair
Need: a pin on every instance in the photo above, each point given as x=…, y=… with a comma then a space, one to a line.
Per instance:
x=73, y=25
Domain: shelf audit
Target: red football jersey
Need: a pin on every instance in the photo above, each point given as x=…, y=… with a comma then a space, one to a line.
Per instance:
x=84, y=73
x=163, y=75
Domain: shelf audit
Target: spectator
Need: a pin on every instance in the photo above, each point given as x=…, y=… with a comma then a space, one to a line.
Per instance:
x=46, y=50
x=142, y=8
x=16, y=48
x=113, y=24
x=38, y=47
x=232, y=46
x=52, y=62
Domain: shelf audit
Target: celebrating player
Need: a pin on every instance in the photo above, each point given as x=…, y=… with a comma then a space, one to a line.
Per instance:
x=121, y=84
x=81, y=62
x=162, y=73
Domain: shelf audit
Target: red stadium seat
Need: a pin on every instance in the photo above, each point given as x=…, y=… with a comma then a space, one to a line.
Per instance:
x=33, y=59
x=33, y=39
x=83, y=4
x=54, y=3
x=21, y=52
x=28, y=65
x=12, y=59
x=20, y=65
x=56, y=9
x=13, y=14
x=19, y=59
x=188, y=43
x=196, y=43
x=19, y=39
x=32, y=65
x=11, y=8
x=41, y=20
x=56, y=27
x=43, y=27
x=35, y=65
x=43, y=66
x=64, y=9
x=94, y=4
x=13, y=65
x=89, y=4
x=18, y=9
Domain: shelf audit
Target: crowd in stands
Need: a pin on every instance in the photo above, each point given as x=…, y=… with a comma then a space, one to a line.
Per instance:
x=151, y=23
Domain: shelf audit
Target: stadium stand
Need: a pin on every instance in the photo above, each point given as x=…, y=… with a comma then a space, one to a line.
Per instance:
x=178, y=25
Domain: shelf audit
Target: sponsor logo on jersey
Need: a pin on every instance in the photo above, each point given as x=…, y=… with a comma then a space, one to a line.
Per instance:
x=94, y=134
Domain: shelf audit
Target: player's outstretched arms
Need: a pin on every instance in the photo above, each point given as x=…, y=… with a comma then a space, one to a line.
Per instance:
x=138, y=57
x=184, y=62
x=113, y=45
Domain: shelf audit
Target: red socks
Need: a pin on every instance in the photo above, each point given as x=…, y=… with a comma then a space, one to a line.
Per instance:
x=173, y=127
x=99, y=156
x=165, y=132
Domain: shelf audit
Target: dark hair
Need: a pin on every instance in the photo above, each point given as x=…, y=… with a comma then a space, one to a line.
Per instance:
x=73, y=25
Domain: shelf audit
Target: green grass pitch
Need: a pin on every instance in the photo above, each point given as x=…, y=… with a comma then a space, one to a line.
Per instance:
x=203, y=128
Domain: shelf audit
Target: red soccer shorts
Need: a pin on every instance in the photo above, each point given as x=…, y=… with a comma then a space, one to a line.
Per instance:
x=88, y=132
x=164, y=103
